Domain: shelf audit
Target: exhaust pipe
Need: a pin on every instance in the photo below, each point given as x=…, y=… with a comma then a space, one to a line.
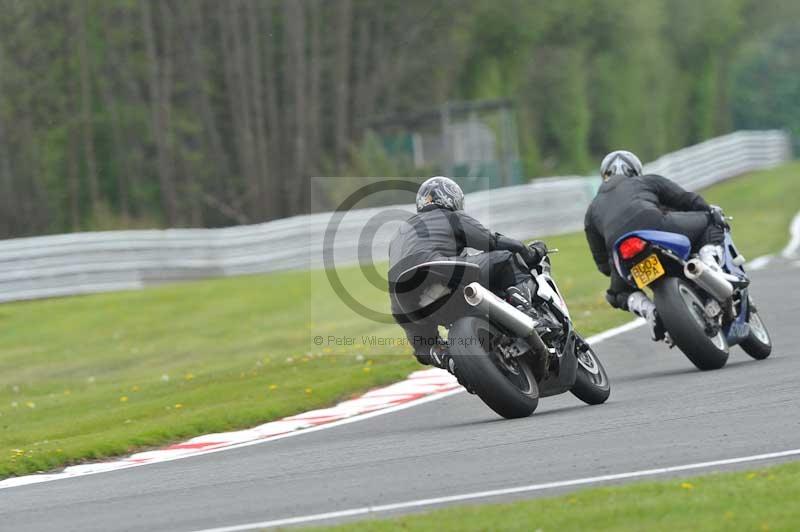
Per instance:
x=709, y=280
x=513, y=319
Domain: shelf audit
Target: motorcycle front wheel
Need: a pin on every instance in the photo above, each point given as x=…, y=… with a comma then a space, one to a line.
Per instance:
x=758, y=343
x=591, y=381
x=683, y=314
x=507, y=386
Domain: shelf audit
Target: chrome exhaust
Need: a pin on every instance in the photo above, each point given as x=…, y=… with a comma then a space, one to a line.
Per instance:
x=709, y=280
x=513, y=319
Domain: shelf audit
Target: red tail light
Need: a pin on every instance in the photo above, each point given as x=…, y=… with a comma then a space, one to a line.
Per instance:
x=630, y=247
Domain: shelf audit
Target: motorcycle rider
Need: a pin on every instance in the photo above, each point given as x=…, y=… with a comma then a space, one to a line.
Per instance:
x=629, y=201
x=441, y=231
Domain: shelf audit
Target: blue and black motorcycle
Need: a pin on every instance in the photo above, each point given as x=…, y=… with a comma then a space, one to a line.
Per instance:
x=704, y=309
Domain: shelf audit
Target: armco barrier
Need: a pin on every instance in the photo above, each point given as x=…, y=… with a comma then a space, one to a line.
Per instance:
x=81, y=263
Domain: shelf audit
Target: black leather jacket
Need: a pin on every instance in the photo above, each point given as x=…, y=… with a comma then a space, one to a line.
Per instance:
x=437, y=233
x=625, y=204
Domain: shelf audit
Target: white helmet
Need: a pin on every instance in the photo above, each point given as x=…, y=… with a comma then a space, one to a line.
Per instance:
x=620, y=162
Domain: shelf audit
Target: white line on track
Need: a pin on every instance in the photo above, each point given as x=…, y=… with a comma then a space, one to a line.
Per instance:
x=605, y=335
x=503, y=491
x=759, y=263
x=793, y=246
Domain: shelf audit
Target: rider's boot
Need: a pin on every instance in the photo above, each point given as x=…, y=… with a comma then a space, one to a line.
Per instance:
x=711, y=256
x=521, y=295
x=640, y=304
x=440, y=354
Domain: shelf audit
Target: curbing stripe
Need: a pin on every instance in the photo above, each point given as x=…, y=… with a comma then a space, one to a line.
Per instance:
x=421, y=387
x=418, y=388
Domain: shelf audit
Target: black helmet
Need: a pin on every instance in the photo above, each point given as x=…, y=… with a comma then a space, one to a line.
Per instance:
x=442, y=192
x=620, y=162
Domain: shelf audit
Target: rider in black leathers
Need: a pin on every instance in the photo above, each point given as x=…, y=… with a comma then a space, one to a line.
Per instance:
x=441, y=231
x=628, y=201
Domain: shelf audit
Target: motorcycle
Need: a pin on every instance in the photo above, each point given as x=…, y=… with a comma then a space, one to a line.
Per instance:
x=705, y=309
x=507, y=355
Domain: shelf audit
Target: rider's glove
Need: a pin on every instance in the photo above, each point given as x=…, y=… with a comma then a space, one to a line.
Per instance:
x=539, y=247
x=717, y=216
x=534, y=253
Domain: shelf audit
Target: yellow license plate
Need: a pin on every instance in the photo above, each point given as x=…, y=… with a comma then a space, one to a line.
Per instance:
x=647, y=271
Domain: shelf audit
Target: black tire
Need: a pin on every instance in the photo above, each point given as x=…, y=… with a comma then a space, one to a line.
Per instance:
x=682, y=320
x=758, y=343
x=591, y=382
x=511, y=396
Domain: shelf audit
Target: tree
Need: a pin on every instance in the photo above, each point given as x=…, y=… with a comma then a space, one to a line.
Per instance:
x=766, y=84
x=146, y=113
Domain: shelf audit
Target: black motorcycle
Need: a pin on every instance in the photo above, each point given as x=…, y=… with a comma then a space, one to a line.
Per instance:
x=509, y=356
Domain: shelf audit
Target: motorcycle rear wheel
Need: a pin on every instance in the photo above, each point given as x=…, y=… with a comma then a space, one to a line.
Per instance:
x=683, y=315
x=507, y=386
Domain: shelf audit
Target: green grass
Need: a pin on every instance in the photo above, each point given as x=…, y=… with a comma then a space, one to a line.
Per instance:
x=762, y=205
x=89, y=377
x=762, y=500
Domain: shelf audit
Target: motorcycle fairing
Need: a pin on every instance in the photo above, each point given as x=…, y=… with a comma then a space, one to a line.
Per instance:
x=731, y=253
x=564, y=378
x=547, y=290
x=737, y=330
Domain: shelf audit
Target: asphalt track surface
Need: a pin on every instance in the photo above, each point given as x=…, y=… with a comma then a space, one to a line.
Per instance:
x=662, y=412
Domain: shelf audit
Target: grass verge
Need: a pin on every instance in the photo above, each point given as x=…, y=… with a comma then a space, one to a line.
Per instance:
x=90, y=377
x=759, y=500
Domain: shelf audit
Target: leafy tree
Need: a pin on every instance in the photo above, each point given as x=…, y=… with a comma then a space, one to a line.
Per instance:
x=131, y=113
x=766, y=84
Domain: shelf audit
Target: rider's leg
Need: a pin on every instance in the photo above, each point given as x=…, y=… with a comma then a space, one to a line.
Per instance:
x=429, y=348
x=639, y=304
x=503, y=274
x=711, y=251
x=706, y=237
x=424, y=340
x=692, y=224
x=520, y=292
x=620, y=295
x=422, y=334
